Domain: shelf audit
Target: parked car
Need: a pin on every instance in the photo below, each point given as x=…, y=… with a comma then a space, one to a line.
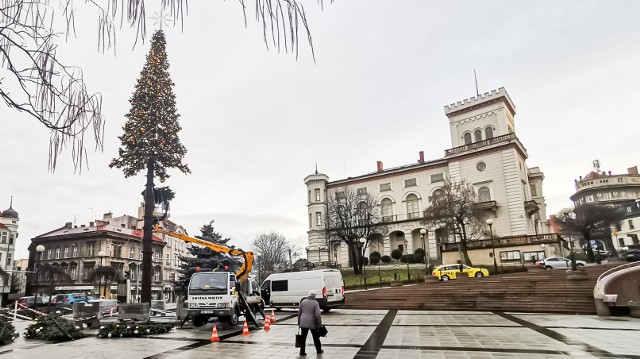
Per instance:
x=285, y=290
x=632, y=255
x=69, y=298
x=558, y=262
x=31, y=301
x=450, y=271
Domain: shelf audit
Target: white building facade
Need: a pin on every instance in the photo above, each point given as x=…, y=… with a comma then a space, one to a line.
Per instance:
x=485, y=153
x=9, y=223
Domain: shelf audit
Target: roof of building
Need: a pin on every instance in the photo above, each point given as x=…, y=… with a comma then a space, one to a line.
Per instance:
x=9, y=212
x=67, y=230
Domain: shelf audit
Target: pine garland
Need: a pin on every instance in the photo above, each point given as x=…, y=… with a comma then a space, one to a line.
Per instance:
x=7, y=331
x=128, y=330
x=53, y=328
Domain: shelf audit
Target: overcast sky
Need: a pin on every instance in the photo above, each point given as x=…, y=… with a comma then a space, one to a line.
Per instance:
x=256, y=122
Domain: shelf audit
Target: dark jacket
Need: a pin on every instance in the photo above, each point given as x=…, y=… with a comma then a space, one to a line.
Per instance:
x=309, y=314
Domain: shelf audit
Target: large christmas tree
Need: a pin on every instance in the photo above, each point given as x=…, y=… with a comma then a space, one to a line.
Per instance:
x=150, y=140
x=152, y=127
x=205, y=259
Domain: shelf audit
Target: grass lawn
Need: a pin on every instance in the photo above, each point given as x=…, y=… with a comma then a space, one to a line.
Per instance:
x=387, y=274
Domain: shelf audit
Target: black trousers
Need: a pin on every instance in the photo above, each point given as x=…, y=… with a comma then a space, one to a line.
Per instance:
x=316, y=339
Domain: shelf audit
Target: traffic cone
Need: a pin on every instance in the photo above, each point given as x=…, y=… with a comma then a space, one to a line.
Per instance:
x=267, y=323
x=245, y=330
x=214, y=334
x=273, y=316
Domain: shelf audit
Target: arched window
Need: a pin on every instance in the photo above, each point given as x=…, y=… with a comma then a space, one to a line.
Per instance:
x=412, y=206
x=478, y=135
x=467, y=138
x=387, y=210
x=488, y=132
x=484, y=195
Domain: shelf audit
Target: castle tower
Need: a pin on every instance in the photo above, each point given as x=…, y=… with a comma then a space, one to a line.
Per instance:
x=482, y=117
x=317, y=209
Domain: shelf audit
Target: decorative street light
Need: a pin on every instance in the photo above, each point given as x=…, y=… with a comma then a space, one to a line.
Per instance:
x=40, y=250
x=364, y=268
x=307, y=248
x=425, y=245
x=493, y=247
x=406, y=246
x=102, y=254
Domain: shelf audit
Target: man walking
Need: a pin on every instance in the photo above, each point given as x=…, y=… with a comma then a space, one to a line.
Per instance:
x=309, y=319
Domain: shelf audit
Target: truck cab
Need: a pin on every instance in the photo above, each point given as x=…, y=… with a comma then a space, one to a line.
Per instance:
x=213, y=294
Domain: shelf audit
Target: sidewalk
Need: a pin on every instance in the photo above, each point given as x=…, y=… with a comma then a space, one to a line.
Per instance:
x=375, y=333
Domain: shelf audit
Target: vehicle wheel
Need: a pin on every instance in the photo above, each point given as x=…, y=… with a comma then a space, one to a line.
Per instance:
x=548, y=267
x=579, y=265
x=198, y=320
x=233, y=319
x=479, y=275
x=326, y=310
x=444, y=278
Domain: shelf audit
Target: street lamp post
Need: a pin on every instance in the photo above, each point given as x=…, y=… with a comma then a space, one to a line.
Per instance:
x=102, y=254
x=39, y=250
x=363, y=241
x=307, y=248
x=406, y=246
x=425, y=245
x=493, y=247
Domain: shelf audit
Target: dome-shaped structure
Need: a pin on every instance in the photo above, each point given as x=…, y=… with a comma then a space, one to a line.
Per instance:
x=10, y=212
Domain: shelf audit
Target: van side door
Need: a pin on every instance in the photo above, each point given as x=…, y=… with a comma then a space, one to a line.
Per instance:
x=265, y=291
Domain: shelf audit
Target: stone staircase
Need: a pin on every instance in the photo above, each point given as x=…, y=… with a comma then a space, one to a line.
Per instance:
x=545, y=291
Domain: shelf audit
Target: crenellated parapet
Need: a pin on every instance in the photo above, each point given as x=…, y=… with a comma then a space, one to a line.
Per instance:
x=493, y=96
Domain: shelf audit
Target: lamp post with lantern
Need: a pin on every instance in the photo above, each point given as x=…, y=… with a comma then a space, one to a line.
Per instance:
x=425, y=245
x=493, y=247
x=363, y=241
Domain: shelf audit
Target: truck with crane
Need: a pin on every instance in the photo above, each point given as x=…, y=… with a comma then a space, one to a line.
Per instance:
x=221, y=293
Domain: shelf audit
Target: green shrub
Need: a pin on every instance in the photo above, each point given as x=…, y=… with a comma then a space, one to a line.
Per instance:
x=396, y=254
x=365, y=261
x=374, y=258
x=419, y=258
x=419, y=251
x=385, y=259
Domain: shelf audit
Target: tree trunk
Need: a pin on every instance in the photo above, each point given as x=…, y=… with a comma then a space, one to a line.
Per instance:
x=355, y=258
x=147, y=249
x=463, y=245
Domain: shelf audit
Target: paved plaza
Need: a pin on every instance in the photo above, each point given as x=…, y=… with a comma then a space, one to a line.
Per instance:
x=374, y=334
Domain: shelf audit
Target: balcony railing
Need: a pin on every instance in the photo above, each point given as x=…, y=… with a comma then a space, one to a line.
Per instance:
x=505, y=242
x=402, y=217
x=479, y=144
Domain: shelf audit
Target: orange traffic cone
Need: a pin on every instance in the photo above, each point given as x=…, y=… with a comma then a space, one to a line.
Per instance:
x=273, y=316
x=245, y=330
x=267, y=323
x=214, y=334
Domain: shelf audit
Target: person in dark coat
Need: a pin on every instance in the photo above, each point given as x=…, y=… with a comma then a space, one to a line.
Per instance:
x=309, y=320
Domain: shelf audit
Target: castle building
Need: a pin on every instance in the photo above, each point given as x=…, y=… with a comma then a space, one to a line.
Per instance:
x=487, y=154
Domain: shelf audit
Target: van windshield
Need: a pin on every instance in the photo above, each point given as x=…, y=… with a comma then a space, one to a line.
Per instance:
x=210, y=282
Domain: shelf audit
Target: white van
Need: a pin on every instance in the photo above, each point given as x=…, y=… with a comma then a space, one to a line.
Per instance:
x=285, y=290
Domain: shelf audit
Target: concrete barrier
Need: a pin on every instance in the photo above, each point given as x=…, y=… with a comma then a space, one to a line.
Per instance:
x=135, y=311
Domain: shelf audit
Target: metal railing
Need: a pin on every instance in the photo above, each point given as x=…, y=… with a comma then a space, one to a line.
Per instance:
x=479, y=144
x=505, y=241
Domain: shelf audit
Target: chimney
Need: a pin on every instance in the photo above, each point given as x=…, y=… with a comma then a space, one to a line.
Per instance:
x=380, y=168
x=609, y=173
x=123, y=225
x=107, y=215
x=421, y=158
x=91, y=224
x=68, y=225
x=632, y=170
